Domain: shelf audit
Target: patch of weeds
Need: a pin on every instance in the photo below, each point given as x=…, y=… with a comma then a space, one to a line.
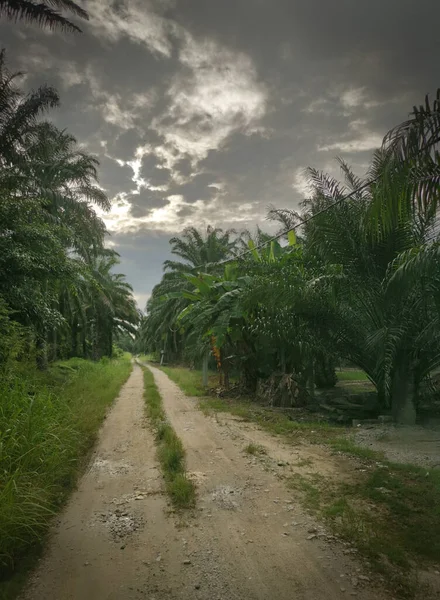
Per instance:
x=190, y=382
x=391, y=514
x=348, y=446
x=254, y=449
x=410, y=496
x=170, y=451
x=304, y=462
x=274, y=421
x=310, y=487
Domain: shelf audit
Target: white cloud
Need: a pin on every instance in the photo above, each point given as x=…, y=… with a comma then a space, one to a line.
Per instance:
x=215, y=92
x=178, y=214
x=369, y=141
x=113, y=113
x=353, y=97
x=320, y=105
x=300, y=182
x=220, y=95
x=138, y=20
x=141, y=300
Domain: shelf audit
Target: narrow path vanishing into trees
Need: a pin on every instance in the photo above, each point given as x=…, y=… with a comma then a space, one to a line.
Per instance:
x=119, y=539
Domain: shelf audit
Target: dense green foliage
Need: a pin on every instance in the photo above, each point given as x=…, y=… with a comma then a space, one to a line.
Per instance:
x=57, y=278
x=359, y=282
x=48, y=422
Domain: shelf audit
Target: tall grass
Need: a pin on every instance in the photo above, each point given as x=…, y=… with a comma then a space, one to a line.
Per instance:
x=48, y=422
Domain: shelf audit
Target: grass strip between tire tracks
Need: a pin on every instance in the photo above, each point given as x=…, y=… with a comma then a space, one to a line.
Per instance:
x=170, y=451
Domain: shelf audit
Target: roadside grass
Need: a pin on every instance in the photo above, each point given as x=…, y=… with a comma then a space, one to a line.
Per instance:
x=254, y=449
x=48, y=423
x=276, y=422
x=391, y=514
x=190, y=381
x=170, y=451
x=146, y=358
x=351, y=375
x=348, y=446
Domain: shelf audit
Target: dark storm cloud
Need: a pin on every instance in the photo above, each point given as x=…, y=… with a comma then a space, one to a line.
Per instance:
x=221, y=105
x=153, y=171
x=143, y=203
x=198, y=188
x=183, y=167
x=125, y=143
x=391, y=42
x=115, y=178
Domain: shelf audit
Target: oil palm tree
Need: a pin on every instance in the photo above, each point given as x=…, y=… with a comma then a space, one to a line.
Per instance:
x=198, y=251
x=19, y=115
x=45, y=13
x=64, y=177
x=376, y=326
x=112, y=307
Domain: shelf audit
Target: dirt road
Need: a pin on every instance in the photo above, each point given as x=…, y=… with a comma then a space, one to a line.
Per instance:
x=118, y=539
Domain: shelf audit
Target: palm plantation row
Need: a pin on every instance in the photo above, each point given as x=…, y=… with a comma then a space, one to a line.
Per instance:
x=59, y=298
x=354, y=277
x=59, y=295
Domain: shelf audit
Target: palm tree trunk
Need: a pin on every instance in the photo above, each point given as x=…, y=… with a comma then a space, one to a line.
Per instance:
x=41, y=350
x=282, y=360
x=74, y=338
x=311, y=379
x=110, y=341
x=403, y=396
x=55, y=345
x=84, y=346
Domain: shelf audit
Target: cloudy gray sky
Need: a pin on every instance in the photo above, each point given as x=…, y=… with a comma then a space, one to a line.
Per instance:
x=206, y=111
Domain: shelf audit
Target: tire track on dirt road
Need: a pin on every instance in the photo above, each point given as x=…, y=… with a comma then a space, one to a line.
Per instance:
x=118, y=539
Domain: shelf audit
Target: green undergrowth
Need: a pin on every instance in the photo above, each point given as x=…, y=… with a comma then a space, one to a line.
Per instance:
x=346, y=445
x=390, y=513
x=48, y=424
x=276, y=422
x=190, y=381
x=170, y=451
x=147, y=358
x=351, y=375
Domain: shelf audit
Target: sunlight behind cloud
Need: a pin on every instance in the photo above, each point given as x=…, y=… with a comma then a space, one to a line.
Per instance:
x=221, y=95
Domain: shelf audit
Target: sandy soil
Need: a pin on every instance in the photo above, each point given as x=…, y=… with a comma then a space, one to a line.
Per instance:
x=248, y=539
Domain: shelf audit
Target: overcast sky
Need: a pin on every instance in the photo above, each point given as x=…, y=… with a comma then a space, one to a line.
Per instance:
x=207, y=111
